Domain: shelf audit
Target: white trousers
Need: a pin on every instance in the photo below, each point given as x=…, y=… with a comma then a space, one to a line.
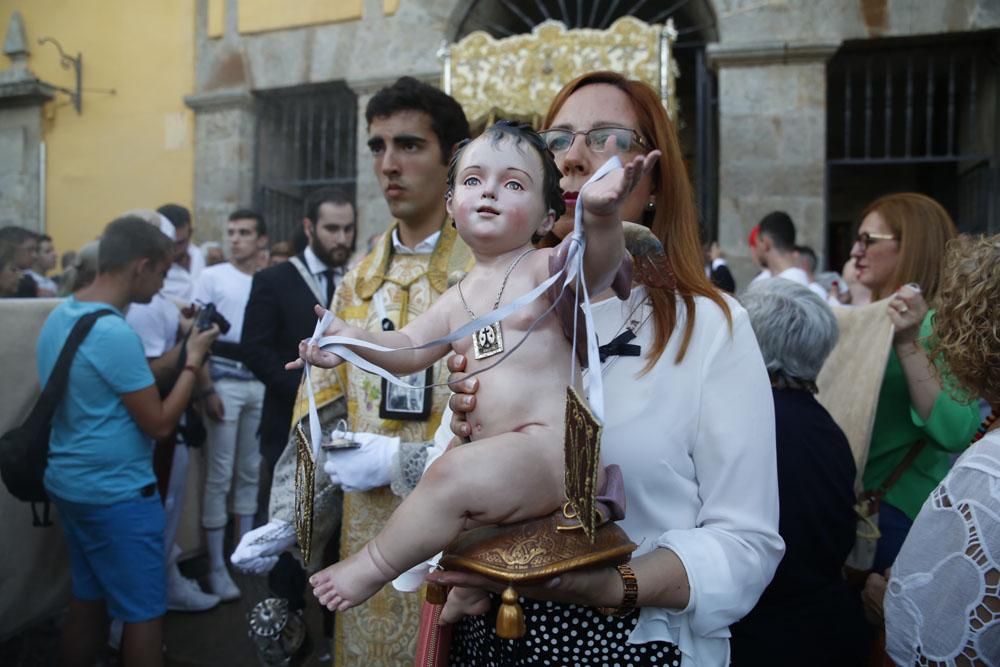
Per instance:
x=232, y=452
x=173, y=504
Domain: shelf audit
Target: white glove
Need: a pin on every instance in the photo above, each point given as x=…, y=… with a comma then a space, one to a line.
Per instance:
x=365, y=468
x=258, y=551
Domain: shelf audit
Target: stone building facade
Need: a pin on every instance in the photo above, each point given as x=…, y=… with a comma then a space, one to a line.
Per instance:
x=770, y=60
x=758, y=97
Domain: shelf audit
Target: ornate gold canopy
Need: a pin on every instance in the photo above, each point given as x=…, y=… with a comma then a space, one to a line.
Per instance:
x=517, y=77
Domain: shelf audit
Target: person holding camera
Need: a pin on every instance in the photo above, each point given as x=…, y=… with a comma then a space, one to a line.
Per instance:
x=100, y=473
x=232, y=452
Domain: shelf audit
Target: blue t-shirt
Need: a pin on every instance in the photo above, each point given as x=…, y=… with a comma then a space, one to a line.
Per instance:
x=97, y=453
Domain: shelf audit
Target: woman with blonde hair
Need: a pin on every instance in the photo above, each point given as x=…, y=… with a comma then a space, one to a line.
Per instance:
x=688, y=417
x=899, y=252
x=942, y=599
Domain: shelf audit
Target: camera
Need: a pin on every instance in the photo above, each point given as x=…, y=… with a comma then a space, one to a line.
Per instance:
x=208, y=316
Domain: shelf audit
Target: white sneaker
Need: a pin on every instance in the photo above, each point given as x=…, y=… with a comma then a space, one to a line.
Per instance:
x=185, y=594
x=220, y=583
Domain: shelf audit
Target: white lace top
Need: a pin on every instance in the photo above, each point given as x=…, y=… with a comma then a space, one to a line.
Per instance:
x=942, y=605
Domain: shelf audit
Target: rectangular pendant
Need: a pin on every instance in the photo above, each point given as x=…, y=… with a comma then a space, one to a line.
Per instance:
x=487, y=341
x=583, y=457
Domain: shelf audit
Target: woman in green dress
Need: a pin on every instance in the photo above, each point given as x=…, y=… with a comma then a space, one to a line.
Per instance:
x=898, y=253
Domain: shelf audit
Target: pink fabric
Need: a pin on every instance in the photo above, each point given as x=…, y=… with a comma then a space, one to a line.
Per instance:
x=611, y=497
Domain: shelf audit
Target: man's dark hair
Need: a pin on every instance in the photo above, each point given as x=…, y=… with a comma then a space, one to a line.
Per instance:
x=780, y=229
x=448, y=121
x=337, y=196
x=249, y=214
x=129, y=238
x=809, y=255
x=176, y=214
x=44, y=237
x=519, y=133
x=16, y=235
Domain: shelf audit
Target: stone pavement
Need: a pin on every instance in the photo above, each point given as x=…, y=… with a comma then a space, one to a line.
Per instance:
x=216, y=638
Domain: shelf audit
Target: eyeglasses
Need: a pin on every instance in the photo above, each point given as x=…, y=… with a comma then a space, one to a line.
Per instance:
x=866, y=239
x=559, y=140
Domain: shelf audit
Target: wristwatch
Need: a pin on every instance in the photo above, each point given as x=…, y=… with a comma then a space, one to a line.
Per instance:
x=631, y=585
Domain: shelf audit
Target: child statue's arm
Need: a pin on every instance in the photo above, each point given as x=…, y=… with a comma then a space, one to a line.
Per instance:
x=602, y=201
x=429, y=326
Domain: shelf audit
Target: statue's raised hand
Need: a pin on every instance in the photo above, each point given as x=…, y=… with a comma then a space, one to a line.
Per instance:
x=604, y=197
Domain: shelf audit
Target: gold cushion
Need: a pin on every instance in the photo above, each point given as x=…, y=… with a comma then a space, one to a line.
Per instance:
x=535, y=550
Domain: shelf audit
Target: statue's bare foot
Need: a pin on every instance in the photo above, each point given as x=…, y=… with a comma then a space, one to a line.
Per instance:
x=351, y=581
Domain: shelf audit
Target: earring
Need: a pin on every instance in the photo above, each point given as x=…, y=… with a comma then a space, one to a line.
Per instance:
x=651, y=206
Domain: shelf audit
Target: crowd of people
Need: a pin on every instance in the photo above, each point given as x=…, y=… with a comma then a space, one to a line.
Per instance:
x=740, y=488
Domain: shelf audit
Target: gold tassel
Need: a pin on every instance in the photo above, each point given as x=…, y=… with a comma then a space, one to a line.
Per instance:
x=510, y=618
x=436, y=594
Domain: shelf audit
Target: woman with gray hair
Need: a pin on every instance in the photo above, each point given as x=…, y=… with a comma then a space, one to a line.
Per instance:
x=807, y=604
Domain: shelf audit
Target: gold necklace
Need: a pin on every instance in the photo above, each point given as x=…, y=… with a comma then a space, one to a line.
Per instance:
x=489, y=340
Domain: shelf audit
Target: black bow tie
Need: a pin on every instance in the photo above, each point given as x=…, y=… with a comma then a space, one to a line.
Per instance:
x=619, y=346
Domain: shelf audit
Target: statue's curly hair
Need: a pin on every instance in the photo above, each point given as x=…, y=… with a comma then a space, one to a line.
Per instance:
x=519, y=133
x=966, y=336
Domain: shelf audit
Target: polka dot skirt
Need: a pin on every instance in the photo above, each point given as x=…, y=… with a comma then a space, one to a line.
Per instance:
x=558, y=635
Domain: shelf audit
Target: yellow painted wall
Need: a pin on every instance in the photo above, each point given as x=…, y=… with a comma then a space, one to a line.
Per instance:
x=262, y=15
x=128, y=150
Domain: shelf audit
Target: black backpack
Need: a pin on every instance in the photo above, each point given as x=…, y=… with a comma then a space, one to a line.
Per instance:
x=24, y=451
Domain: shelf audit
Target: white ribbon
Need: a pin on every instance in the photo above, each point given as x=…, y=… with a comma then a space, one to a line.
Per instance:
x=571, y=273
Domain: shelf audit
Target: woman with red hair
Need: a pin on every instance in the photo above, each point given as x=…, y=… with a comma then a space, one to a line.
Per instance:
x=688, y=417
x=919, y=426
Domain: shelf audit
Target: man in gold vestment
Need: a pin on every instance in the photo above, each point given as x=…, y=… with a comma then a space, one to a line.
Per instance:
x=412, y=128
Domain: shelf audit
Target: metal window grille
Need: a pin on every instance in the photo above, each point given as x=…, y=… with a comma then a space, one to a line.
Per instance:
x=306, y=138
x=908, y=104
x=917, y=115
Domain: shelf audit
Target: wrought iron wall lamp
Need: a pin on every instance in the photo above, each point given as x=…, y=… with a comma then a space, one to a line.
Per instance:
x=69, y=62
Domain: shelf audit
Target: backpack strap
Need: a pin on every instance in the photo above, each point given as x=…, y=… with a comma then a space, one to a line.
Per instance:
x=45, y=407
x=59, y=378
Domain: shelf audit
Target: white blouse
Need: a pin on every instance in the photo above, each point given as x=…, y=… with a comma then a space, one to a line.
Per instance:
x=696, y=445
x=942, y=597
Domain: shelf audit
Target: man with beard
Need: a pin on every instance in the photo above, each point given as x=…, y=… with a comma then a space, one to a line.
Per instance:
x=280, y=313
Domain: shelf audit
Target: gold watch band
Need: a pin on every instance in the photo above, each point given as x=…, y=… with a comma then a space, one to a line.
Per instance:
x=631, y=596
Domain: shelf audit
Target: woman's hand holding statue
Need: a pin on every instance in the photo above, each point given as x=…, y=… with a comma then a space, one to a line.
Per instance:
x=593, y=587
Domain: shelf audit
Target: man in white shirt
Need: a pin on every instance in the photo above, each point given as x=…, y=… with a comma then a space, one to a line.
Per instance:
x=778, y=253
x=232, y=450
x=808, y=262
x=755, y=255
x=158, y=325
x=45, y=261
x=188, y=261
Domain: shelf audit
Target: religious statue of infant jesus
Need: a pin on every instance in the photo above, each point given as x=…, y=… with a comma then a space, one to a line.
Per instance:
x=503, y=189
